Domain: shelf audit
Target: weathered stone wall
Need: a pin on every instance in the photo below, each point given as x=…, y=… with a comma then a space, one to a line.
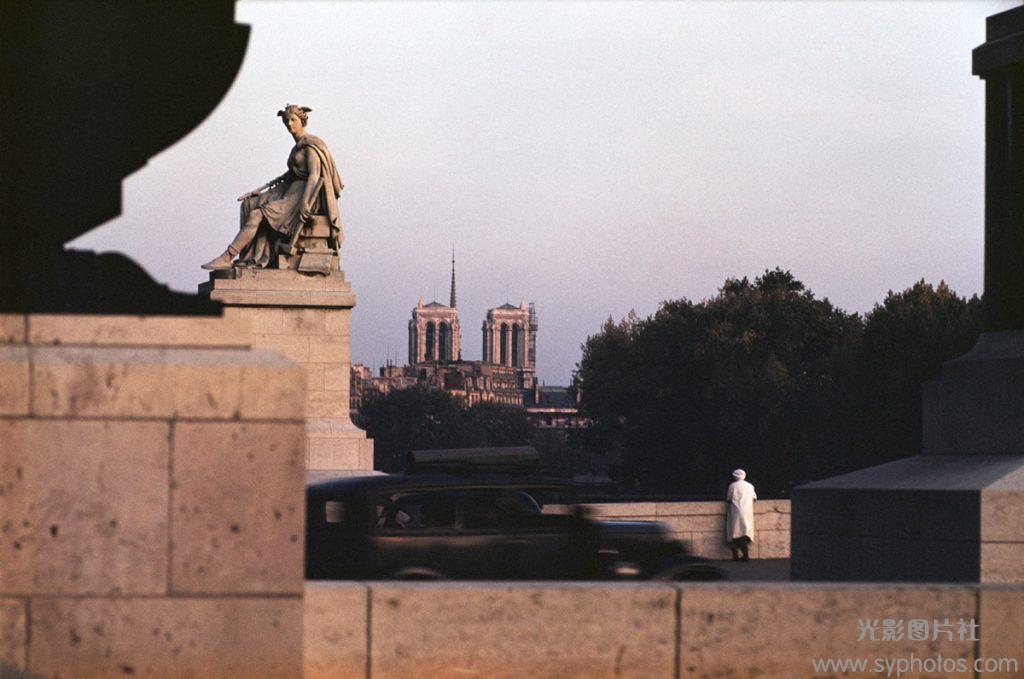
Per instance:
x=497, y=630
x=151, y=499
x=702, y=524
x=306, y=319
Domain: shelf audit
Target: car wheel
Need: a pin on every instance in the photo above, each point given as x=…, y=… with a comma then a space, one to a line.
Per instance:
x=414, y=574
x=700, y=572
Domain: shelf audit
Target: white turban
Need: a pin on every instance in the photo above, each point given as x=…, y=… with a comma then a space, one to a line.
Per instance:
x=739, y=475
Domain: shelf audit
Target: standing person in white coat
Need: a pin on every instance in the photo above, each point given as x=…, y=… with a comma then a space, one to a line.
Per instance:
x=739, y=522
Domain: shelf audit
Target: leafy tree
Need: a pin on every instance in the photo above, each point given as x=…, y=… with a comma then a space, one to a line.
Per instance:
x=766, y=376
x=907, y=338
x=493, y=424
x=411, y=419
x=610, y=378
x=420, y=418
x=571, y=454
x=742, y=379
x=607, y=371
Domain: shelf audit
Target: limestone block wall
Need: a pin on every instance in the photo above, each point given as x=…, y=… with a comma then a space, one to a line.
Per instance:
x=151, y=499
x=318, y=339
x=595, y=630
x=306, y=319
x=702, y=524
x=1002, y=529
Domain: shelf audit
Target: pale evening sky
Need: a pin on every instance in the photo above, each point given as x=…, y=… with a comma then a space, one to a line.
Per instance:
x=594, y=158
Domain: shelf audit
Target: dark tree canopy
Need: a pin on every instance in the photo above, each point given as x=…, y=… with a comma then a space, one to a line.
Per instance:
x=420, y=418
x=906, y=340
x=768, y=377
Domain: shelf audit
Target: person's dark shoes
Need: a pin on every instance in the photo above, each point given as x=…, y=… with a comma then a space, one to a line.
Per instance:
x=745, y=557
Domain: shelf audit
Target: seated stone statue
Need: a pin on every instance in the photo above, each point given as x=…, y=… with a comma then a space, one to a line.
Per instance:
x=301, y=202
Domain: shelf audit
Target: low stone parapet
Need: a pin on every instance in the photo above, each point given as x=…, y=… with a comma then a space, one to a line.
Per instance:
x=151, y=499
x=702, y=524
x=497, y=630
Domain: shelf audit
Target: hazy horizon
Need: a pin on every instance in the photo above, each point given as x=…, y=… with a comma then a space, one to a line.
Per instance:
x=595, y=158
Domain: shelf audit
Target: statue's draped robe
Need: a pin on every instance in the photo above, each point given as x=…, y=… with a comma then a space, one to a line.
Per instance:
x=740, y=516
x=288, y=204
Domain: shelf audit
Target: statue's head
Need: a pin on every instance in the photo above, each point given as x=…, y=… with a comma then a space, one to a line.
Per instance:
x=290, y=110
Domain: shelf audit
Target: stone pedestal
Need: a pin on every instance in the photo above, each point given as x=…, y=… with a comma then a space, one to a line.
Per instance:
x=950, y=518
x=956, y=512
x=152, y=503
x=305, y=318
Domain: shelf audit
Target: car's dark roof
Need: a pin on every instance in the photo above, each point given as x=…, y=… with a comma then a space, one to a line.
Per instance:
x=367, y=485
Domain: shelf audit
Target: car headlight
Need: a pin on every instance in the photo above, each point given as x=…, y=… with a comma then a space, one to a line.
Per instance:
x=626, y=569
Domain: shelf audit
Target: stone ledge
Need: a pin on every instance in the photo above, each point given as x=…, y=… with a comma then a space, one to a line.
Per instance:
x=999, y=609
x=775, y=631
x=175, y=638
x=702, y=524
x=274, y=279
x=612, y=630
x=279, y=287
x=617, y=629
x=335, y=630
x=1001, y=562
x=662, y=509
x=137, y=331
x=772, y=544
x=285, y=298
x=929, y=517
x=12, y=328
x=161, y=383
x=333, y=427
x=1002, y=508
x=519, y=631
x=14, y=379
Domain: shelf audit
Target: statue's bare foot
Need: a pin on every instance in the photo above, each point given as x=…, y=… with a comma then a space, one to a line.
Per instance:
x=222, y=262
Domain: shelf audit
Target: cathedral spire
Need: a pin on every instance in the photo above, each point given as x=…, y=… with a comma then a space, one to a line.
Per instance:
x=451, y=300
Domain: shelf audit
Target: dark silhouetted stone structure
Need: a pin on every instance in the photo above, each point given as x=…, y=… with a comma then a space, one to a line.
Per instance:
x=953, y=513
x=92, y=89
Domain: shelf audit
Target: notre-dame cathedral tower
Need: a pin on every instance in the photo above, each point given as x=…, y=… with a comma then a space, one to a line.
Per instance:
x=509, y=345
x=510, y=338
x=434, y=331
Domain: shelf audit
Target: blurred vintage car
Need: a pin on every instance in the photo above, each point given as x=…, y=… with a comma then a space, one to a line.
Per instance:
x=478, y=527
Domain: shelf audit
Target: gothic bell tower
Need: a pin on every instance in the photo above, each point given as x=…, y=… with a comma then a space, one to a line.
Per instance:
x=434, y=331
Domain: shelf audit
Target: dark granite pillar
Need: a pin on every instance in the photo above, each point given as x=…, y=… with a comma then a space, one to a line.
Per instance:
x=1000, y=62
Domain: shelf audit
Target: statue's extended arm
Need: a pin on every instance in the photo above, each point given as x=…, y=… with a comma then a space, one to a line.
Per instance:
x=269, y=185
